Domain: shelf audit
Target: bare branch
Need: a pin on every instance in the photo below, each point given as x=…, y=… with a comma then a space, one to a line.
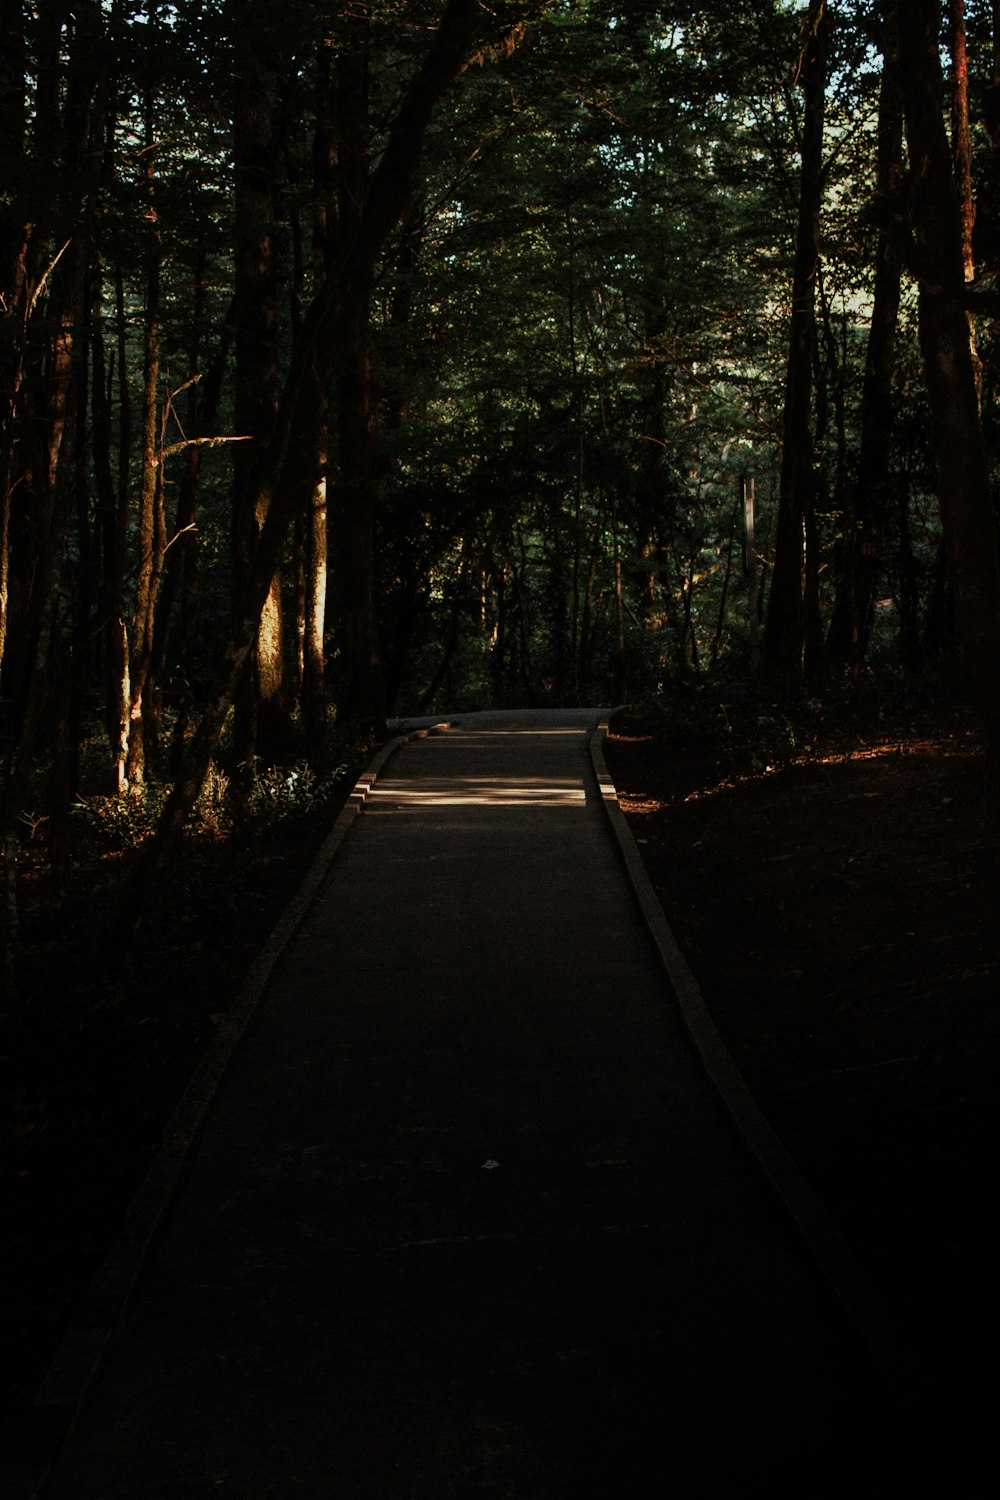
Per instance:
x=45, y=276
x=191, y=526
x=205, y=442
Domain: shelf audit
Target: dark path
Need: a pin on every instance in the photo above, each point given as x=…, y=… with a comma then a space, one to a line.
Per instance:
x=466, y=1220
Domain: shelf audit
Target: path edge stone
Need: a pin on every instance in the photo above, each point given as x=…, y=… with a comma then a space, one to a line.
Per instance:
x=62, y=1394
x=818, y=1230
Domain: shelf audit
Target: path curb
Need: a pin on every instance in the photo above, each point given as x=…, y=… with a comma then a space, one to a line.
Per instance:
x=78, y=1360
x=818, y=1230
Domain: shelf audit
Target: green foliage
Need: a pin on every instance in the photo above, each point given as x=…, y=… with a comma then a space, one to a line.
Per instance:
x=719, y=716
x=283, y=793
x=276, y=795
x=578, y=333
x=118, y=823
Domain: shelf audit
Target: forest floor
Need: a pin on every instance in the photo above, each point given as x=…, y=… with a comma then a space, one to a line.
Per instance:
x=839, y=906
x=833, y=883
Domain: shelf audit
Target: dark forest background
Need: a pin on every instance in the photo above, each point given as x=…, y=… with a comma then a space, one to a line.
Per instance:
x=379, y=359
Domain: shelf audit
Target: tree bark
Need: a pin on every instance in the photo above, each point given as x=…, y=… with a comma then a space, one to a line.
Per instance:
x=119, y=693
x=870, y=499
x=786, y=629
x=313, y=691
x=961, y=135
x=260, y=709
x=967, y=512
x=12, y=277
x=149, y=539
x=314, y=623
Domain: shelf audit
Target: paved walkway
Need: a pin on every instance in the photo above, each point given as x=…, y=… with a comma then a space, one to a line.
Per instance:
x=466, y=1219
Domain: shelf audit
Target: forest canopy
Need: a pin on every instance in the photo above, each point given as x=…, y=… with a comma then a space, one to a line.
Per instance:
x=384, y=358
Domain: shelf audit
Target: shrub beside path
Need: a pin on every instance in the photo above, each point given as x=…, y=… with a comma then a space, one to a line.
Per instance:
x=466, y=1217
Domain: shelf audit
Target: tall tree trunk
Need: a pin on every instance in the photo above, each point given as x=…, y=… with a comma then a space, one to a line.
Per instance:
x=361, y=694
x=314, y=622
x=961, y=135
x=12, y=278
x=961, y=152
x=870, y=500
x=786, y=630
x=259, y=706
x=313, y=690
x=967, y=512
x=149, y=539
x=576, y=387
x=360, y=690
x=991, y=95
x=110, y=593
x=119, y=692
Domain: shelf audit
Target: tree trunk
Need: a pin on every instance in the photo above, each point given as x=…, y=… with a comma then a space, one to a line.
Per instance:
x=149, y=542
x=314, y=623
x=313, y=691
x=360, y=697
x=119, y=693
x=360, y=690
x=870, y=499
x=259, y=705
x=786, y=630
x=110, y=596
x=967, y=513
x=961, y=135
x=12, y=278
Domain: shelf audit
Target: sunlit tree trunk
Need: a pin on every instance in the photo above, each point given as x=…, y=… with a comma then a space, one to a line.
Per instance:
x=119, y=693
x=259, y=705
x=314, y=621
x=314, y=469
x=149, y=528
x=961, y=135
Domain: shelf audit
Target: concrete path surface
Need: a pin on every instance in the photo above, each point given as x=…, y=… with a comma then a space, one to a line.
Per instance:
x=466, y=1219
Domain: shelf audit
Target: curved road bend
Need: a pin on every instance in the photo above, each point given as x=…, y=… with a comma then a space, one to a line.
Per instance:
x=465, y=1219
